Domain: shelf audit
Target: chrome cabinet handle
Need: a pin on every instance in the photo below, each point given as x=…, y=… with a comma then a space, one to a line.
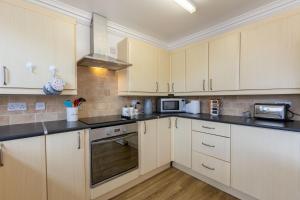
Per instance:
x=1, y=155
x=206, y=127
x=4, y=75
x=203, y=85
x=176, y=123
x=207, y=167
x=210, y=84
x=208, y=145
x=173, y=90
x=170, y=123
x=168, y=87
x=79, y=141
x=145, y=127
x=157, y=86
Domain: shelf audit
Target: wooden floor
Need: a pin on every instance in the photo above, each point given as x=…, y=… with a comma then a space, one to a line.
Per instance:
x=173, y=184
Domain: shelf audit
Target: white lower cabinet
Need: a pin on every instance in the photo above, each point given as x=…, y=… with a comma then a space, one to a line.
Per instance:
x=163, y=141
x=66, y=178
x=148, y=145
x=182, y=141
x=23, y=169
x=211, y=145
x=213, y=168
x=265, y=163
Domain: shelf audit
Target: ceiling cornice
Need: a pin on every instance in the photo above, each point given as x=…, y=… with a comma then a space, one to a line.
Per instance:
x=235, y=22
x=84, y=17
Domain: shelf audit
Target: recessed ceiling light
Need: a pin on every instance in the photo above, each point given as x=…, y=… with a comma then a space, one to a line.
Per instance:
x=187, y=5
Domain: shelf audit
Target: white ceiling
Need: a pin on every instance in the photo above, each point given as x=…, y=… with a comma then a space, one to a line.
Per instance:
x=164, y=19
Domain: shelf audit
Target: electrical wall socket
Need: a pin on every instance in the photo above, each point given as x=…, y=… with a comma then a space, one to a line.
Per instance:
x=16, y=107
x=40, y=106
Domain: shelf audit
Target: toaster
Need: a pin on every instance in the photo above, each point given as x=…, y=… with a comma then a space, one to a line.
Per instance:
x=271, y=111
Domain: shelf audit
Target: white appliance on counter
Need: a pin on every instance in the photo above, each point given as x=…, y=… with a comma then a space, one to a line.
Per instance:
x=193, y=107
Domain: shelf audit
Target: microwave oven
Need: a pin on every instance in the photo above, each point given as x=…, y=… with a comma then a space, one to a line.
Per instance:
x=170, y=105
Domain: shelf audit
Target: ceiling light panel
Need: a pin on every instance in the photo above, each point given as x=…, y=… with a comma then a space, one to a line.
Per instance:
x=187, y=5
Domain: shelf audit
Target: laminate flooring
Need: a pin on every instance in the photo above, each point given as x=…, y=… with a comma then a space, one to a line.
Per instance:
x=173, y=184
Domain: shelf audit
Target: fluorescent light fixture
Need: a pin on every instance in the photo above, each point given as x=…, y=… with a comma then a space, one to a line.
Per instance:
x=187, y=5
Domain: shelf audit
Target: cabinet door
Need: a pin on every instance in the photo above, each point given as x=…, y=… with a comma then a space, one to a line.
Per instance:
x=39, y=36
x=178, y=71
x=23, y=174
x=265, y=163
x=163, y=71
x=163, y=141
x=148, y=146
x=143, y=72
x=270, y=55
x=197, y=68
x=182, y=141
x=66, y=166
x=224, y=62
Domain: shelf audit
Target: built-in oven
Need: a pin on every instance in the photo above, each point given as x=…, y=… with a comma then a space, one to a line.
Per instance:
x=114, y=152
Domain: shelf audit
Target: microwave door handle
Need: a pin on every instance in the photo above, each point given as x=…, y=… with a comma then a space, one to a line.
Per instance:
x=112, y=140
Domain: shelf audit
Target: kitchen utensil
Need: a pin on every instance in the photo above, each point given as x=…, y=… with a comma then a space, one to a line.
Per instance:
x=68, y=103
x=72, y=114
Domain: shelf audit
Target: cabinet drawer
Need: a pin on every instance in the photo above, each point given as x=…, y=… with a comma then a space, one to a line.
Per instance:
x=211, y=167
x=212, y=145
x=211, y=127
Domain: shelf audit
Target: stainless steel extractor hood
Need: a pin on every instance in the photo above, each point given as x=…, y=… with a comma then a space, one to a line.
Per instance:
x=99, y=48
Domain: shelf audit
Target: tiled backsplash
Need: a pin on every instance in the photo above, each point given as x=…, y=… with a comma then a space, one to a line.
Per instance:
x=99, y=87
x=236, y=105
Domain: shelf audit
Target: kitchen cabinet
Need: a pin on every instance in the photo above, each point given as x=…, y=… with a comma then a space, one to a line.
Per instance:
x=32, y=34
x=211, y=167
x=182, y=141
x=265, y=163
x=23, y=170
x=163, y=71
x=142, y=75
x=178, y=71
x=163, y=141
x=270, y=54
x=224, y=62
x=197, y=68
x=66, y=166
x=148, y=145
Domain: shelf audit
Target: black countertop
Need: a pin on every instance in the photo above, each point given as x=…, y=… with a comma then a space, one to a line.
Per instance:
x=20, y=131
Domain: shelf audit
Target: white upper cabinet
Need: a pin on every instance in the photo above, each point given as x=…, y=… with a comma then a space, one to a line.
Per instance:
x=178, y=71
x=197, y=68
x=141, y=76
x=163, y=71
x=270, y=54
x=224, y=62
x=32, y=34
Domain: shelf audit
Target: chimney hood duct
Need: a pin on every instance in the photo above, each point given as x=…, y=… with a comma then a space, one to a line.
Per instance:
x=99, y=48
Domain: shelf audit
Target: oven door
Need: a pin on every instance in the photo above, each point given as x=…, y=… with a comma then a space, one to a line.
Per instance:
x=113, y=157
